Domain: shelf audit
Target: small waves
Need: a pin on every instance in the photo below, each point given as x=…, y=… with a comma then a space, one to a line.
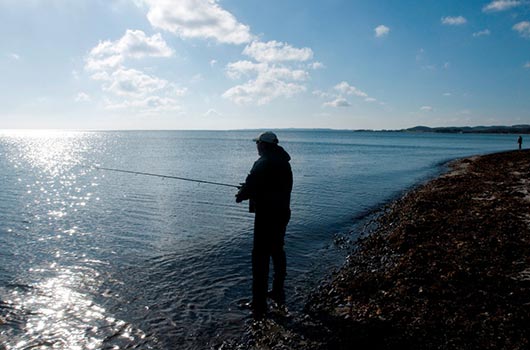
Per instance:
x=97, y=260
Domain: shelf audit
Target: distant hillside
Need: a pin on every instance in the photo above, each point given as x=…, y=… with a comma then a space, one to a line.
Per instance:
x=514, y=129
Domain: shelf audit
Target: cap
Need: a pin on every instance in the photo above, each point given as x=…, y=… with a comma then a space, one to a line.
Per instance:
x=268, y=137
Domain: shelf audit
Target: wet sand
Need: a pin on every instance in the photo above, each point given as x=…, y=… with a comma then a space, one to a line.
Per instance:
x=447, y=267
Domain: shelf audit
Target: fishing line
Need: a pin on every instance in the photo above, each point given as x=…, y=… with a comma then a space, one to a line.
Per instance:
x=166, y=177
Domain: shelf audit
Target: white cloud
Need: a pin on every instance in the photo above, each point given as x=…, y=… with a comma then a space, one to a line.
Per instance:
x=271, y=76
x=213, y=63
x=501, y=5
x=270, y=82
x=338, y=94
x=274, y=51
x=345, y=88
x=447, y=94
x=523, y=28
x=527, y=65
x=262, y=90
x=133, y=83
x=236, y=70
x=426, y=108
x=381, y=31
x=83, y=97
x=322, y=94
x=454, y=21
x=480, y=33
x=137, y=45
x=110, y=55
x=203, y=19
x=14, y=56
x=137, y=91
x=338, y=102
x=317, y=65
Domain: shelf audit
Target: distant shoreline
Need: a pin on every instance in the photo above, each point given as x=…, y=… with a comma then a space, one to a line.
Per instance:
x=495, y=129
x=500, y=129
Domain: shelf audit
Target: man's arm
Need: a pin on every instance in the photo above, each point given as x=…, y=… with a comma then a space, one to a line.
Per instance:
x=249, y=188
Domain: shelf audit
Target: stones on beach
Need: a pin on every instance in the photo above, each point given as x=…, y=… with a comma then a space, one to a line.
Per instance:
x=436, y=269
x=446, y=267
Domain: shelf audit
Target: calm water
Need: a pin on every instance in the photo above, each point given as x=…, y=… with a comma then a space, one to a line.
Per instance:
x=92, y=259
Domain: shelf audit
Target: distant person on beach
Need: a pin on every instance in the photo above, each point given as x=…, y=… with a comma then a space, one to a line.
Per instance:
x=268, y=187
x=520, y=141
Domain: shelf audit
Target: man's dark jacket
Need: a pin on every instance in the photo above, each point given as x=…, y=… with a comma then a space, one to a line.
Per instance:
x=269, y=184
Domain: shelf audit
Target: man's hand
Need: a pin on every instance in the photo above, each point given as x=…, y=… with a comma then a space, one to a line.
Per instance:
x=239, y=197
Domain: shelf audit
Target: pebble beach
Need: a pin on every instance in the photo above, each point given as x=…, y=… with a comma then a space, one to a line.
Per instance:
x=446, y=267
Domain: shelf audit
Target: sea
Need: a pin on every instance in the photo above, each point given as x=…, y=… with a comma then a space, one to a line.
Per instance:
x=96, y=259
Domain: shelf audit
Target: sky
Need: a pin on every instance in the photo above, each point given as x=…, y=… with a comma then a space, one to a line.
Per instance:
x=246, y=64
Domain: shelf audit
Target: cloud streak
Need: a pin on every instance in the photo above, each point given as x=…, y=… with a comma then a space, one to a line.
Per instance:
x=340, y=92
x=480, y=33
x=338, y=102
x=273, y=51
x=501, y=5
x=523, y=28
x=453, y=21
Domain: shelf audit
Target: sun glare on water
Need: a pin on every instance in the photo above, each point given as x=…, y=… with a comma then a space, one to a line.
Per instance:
x=53, y=303
x=50, y=151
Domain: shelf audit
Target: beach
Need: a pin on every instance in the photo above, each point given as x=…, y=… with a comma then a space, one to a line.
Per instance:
x=446, y=267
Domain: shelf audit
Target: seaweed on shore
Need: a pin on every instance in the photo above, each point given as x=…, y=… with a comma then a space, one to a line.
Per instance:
x=448, y=267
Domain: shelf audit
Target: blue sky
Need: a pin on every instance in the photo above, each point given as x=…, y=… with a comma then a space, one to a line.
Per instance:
x=230, y=64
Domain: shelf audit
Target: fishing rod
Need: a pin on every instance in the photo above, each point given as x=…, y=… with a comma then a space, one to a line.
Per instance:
x=166, y=176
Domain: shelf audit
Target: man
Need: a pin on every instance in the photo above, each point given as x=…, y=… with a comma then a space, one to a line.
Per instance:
x=268, y=187
x=520, y=141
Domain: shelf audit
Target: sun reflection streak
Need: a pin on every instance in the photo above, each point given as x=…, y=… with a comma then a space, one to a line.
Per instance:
x=51, y=151
x=59, y=316
x=59, y=306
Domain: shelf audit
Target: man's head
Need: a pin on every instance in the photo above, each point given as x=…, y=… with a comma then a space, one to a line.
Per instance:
x=266, y=141
x=267, y=137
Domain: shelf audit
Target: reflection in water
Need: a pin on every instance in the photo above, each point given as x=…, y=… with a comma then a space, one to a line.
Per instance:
x=57, y=314
x=52, y=306
x=51, y=152
x=54, y=313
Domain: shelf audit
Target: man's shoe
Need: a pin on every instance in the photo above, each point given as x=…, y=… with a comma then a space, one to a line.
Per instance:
x=277, y=297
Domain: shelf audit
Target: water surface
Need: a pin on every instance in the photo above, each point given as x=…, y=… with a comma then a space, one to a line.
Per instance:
x=92, y=259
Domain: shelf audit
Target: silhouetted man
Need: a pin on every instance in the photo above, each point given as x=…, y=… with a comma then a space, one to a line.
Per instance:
x=268, y=187
x=520, y=141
